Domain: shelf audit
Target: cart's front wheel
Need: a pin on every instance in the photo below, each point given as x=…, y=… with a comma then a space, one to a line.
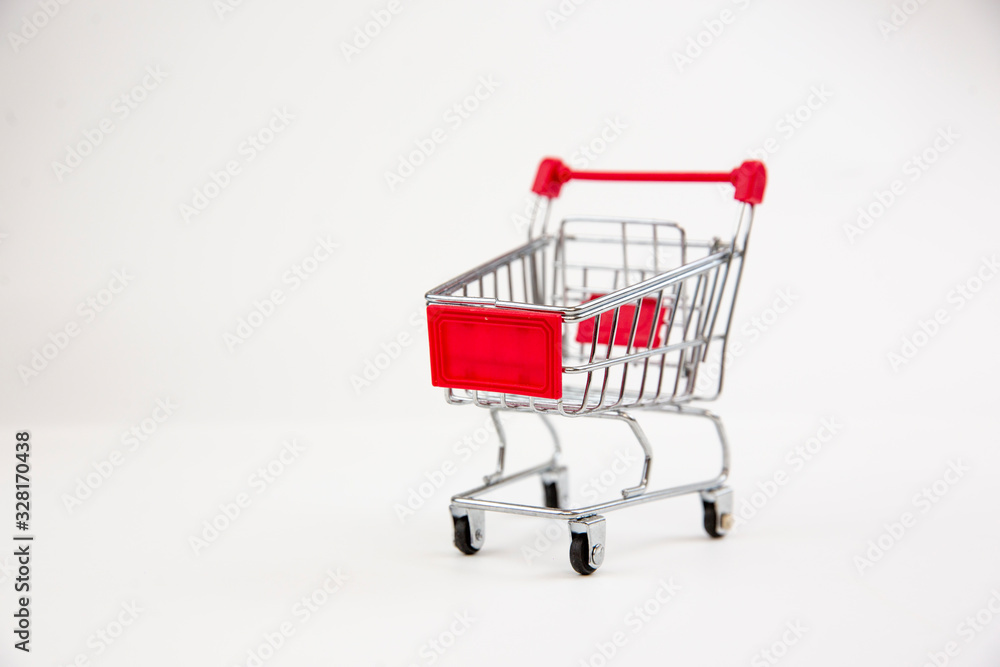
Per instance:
x=586, y=551
x=579, y=554
x=463, y=536
x=469, y=530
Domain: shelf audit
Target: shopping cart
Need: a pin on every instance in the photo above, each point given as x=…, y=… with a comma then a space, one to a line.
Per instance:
x=604, y=316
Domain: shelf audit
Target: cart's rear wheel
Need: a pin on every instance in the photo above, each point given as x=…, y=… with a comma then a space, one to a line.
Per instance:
x=555, y=482
x=711, y=520
x=552, y=495
x=579, y=554
x=718, y=507
x=463, y=536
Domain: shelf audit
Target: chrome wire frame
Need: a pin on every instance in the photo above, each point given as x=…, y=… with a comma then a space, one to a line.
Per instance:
x=469, y=500
x=691, y=287
x=692, y=302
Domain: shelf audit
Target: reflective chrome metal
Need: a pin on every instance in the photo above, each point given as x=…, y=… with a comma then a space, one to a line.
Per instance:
x=469, y=499
x=596, y=530
x=589, y=269
x=501, y=449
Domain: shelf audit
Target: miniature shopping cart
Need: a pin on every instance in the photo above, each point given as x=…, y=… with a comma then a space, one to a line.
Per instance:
x=604, y=316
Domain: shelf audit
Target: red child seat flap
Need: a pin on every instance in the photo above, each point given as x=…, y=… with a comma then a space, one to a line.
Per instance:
x=626, y=313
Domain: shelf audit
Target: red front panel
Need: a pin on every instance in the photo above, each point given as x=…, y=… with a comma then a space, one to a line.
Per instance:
x=496, y=349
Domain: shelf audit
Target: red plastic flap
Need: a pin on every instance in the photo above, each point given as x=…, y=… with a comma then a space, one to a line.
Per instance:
x=626, y=313
x=496, y=349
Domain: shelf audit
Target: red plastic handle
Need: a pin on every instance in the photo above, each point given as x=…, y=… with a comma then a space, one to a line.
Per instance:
x=749, y=178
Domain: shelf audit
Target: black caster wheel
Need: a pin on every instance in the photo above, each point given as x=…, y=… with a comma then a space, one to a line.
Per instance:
x=555, y=482
x=711, y=520
x=586, y=550
x=463, y=536
x=579, y=554
x=552, y=494
x=718, y=508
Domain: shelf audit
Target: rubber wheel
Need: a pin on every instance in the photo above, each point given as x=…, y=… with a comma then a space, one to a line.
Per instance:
x=579, y=554
x=551, y=494
x=711, y=519
x=463, y=536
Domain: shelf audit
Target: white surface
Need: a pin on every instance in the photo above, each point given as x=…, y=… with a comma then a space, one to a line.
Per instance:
x=333, y=507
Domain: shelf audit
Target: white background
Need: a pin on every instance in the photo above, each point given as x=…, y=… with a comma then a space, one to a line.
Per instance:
x=365, y=448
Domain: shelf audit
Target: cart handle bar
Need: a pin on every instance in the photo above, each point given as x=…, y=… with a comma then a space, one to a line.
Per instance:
x=749, y=178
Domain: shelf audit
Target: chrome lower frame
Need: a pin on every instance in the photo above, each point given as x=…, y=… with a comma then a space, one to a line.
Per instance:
x=468, y=503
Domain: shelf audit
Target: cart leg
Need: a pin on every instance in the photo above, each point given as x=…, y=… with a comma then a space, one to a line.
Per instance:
x=647, y=462
x=555, y=481
x=717, y=502
x=586, y=551
x=501, y=450
x=720, y=431
x=556, y=447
